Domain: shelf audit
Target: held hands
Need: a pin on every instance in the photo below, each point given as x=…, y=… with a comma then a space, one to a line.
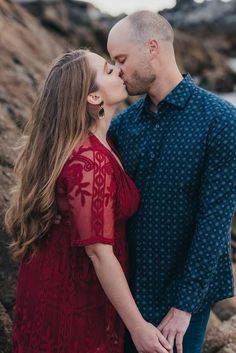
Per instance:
x=148, y=339
x=173, y=327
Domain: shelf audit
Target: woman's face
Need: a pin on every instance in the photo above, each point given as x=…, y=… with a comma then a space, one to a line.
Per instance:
x=111, y=87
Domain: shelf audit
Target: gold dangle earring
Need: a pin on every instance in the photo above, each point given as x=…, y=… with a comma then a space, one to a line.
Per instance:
x=101, y=112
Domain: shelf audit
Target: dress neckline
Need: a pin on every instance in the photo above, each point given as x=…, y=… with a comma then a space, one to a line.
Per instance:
x=118, y=160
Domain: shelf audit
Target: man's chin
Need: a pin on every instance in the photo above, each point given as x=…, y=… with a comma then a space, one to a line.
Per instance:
x=134, y=92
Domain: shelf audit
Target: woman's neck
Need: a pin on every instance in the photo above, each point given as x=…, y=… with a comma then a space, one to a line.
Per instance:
x=102, y=125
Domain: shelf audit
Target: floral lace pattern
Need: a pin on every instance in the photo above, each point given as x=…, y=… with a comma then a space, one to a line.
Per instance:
x=60, y=304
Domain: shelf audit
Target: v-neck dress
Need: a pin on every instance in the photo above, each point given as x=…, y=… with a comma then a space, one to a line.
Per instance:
x=60, y=304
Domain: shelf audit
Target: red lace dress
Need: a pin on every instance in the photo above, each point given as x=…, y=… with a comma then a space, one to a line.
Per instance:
x=60, y=304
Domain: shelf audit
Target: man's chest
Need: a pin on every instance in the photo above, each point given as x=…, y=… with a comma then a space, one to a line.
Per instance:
x=155, y=150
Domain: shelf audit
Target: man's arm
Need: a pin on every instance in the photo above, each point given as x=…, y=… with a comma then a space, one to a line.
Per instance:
x=216, y=208
x=217, y=202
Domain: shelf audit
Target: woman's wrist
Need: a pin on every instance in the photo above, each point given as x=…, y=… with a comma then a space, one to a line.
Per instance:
x=138, y=325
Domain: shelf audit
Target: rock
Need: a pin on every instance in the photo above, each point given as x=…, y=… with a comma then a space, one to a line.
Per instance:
x=212, y=22
x=56, y=17
x=213, y=15
x=213, y=322
x=209, y=66
x=225, y=309
x=183, y=5
x=85, y=26
x=26, y=51
x=234, y=271
x=229, y=348
x=221, y=336
x=79, y=21
x=233, y=233
x=52, y=14
x=5, y=330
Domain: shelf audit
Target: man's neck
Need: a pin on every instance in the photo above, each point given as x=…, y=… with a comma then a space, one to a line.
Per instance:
x=162, y=87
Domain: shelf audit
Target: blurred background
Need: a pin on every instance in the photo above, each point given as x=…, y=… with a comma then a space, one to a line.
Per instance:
x=34, y=32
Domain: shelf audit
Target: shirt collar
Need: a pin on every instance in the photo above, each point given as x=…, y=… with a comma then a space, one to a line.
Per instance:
x=178, y=96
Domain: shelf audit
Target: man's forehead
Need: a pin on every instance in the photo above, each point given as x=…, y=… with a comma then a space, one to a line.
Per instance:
x=118, y=52
x=119, y=28
x=119, y=47
x=118, y=36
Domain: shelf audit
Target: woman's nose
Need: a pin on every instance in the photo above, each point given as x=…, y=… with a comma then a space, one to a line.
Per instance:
x=117, y=70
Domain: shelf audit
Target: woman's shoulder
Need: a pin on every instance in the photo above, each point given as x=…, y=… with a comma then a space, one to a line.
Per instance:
x=85, y=147
x=88, y=155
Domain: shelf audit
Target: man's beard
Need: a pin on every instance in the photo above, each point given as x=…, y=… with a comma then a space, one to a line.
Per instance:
x=139, y=84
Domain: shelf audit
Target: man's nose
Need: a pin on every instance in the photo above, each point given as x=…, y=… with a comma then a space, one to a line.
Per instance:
x=120, y=73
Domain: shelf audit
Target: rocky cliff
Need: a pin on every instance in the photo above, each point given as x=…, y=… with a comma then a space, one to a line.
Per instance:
x=212, y=25
x=198, y=52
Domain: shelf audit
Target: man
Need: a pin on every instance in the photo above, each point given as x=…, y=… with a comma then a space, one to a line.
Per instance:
x=178, y=144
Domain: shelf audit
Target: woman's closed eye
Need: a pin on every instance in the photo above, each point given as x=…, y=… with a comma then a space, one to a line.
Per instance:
x=110, y=71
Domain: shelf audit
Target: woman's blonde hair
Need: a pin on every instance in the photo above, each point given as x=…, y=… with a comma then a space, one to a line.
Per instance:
x=61, y=118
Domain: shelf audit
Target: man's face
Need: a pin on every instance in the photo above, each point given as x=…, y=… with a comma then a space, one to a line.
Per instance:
x=133, y=62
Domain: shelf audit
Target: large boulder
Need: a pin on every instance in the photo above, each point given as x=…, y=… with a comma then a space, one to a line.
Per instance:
x=84, y=25
x=26, y=50
x=205, y=63
x=221, y=336
x=5, y=331
x=212, y=22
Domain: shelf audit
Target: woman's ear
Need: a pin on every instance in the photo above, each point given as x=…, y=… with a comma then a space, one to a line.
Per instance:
x=94, y=98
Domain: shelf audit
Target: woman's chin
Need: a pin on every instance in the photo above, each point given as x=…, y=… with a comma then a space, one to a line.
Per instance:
x=122, y=97
x=125, y=93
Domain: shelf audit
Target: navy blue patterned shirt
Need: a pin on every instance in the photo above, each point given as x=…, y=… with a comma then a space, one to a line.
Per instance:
x=183, y=160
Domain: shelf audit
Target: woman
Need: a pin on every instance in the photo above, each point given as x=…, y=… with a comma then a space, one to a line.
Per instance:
x=72, y=272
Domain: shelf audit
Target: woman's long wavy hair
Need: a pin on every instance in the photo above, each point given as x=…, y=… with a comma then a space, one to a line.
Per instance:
x=61, y=117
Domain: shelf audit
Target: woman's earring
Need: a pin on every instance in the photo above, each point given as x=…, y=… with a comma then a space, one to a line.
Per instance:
x=101, y=112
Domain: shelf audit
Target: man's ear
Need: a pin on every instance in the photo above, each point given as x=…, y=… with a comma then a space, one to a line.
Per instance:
x=153, y=46
x=94, y=98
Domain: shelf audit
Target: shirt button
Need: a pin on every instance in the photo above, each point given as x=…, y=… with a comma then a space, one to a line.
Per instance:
x=152, y=155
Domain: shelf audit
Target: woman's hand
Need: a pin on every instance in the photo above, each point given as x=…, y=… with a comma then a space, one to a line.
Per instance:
x=148, y=339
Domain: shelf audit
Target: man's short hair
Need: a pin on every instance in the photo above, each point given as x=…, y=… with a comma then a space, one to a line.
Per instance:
x=147, y=24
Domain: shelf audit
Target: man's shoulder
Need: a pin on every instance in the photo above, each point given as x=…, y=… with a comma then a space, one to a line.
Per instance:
x=215, y=107
x=213, y=101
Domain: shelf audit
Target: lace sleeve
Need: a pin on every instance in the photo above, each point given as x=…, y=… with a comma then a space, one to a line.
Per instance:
x=91, y=193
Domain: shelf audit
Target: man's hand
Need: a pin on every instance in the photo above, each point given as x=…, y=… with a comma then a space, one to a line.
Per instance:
x=173, y=327
x=148, y=339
